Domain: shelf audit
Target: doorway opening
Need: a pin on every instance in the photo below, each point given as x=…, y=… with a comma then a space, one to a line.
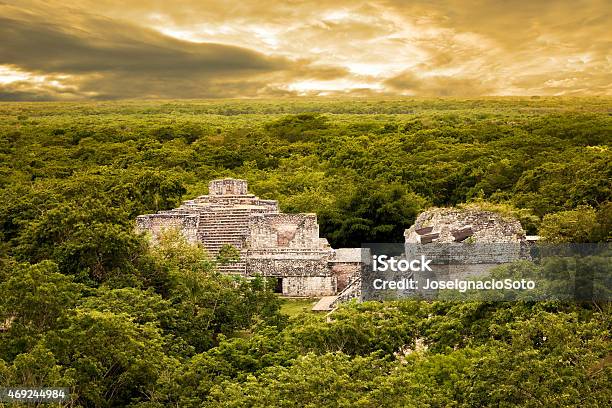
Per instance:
x=279, y=286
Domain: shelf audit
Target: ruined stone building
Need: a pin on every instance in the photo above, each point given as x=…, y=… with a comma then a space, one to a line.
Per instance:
x=461, y=242
x=455, y=225
x=465, y=243
x=271, y=243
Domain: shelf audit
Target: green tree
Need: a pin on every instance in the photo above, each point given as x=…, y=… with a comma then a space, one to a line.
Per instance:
x=579, y=225
x=34, y=300
x=114, y=360
x=228, y=254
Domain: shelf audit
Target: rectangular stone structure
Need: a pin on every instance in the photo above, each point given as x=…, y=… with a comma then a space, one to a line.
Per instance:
x=271, y=244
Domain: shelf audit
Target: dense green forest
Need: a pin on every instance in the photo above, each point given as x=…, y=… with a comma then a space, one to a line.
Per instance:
x=87, y=303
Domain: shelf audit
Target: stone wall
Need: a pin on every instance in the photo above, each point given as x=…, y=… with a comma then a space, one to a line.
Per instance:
x=276, y=266
x=303, y=273
x=469, y=253
x=446, y=225
x=227, y=187
x=284, y=231
x=270, y=206
x=344, y=272
x=309, y=286
x=345, y=265
x=452, y=236
x=155, y=224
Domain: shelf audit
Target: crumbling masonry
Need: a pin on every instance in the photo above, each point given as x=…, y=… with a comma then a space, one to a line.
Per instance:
x=465, y=243
x=271, y=243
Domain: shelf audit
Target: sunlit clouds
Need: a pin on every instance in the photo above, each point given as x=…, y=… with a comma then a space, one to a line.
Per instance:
x=108, y=49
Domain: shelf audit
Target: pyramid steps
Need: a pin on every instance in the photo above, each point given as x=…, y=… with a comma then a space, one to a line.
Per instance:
x=238, y=268
x=222, y=226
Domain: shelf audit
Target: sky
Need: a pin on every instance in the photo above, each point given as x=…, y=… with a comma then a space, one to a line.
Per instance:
x=120, y=49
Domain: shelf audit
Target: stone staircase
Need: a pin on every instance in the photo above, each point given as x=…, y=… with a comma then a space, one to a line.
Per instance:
x=225, y=225
x=324, y=304
x=351, y=291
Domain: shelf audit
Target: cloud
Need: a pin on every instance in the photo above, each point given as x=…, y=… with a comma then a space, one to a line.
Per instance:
x=106, y=49
x=115, y=59
x=25, y=92
x=410, y=84
x=35, y=45
x=518, y=47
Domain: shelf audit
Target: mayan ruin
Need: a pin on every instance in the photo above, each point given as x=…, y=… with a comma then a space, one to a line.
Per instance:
x=465, y=243
x=462, y=243
x=271, y=243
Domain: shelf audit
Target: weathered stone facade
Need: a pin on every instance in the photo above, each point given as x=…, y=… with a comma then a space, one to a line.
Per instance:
x=271, y=243
x=450, y=225
x=465, y=243
x=346, y=265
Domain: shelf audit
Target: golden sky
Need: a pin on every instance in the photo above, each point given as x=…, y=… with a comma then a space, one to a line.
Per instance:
x=109, y=49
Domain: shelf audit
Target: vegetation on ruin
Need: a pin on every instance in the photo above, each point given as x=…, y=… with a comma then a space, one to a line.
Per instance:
x=87, y=303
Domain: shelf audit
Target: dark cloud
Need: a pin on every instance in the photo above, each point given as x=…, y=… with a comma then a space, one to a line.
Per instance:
x=11, y=94
x=40, y=46
x=438, y=85
x=113, y=59
x=307, y=69
x=40, y=91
